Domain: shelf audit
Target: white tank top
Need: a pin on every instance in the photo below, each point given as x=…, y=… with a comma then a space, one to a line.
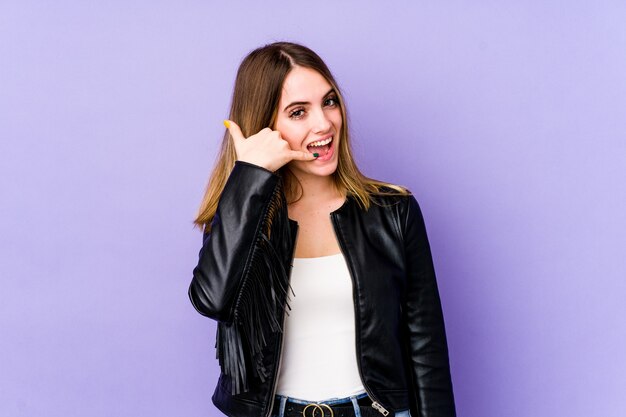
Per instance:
x=318, y=360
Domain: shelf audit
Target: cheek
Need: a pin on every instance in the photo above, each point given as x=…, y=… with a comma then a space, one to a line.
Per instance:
x=294, y=143
x=293, y=137
x=337, y=119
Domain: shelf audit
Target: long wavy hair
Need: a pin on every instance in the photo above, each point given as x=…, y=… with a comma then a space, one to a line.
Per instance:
x=257, y=92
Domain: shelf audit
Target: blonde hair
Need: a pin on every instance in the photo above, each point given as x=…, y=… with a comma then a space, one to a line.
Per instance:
x=256, y=94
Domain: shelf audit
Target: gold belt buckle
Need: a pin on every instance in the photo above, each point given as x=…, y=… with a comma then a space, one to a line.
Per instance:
x=317, y=406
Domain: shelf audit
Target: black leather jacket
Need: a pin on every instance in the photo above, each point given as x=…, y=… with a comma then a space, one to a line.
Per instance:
x=242, y=277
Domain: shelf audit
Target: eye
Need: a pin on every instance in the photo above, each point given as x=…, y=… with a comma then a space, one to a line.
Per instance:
x=296, y=114
x=332, y=99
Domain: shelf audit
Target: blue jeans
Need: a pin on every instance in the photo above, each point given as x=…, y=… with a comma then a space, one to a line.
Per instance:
x=280, y=412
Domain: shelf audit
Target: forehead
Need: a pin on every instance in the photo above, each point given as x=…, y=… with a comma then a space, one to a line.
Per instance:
x=304, y=84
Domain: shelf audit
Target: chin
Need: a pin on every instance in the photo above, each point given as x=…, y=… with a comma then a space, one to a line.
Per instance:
x=328, y=167
x=318, y=171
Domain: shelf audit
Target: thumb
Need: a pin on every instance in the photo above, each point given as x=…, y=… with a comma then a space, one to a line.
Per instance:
x=234, y=130
x=302, y=156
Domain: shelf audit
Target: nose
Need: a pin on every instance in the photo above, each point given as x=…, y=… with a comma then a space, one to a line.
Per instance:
x=321, y=123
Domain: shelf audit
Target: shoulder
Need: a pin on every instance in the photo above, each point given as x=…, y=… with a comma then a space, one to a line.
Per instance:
x=390, y=194
x=399, y=201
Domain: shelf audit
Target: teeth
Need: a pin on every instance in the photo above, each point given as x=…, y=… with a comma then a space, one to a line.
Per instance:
x=321, y=142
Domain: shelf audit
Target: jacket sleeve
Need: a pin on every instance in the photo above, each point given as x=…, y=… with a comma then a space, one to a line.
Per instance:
x=226, y=249
x=240, y=279
x=432, y=394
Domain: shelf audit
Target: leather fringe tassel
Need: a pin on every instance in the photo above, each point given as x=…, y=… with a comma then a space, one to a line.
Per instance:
x=263, y=291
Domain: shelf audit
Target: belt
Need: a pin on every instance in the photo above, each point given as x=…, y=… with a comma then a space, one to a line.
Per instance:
x=315, y=409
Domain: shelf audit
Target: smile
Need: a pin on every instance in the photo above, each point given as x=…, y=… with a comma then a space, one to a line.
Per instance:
x=321, y=142
x=325, y=149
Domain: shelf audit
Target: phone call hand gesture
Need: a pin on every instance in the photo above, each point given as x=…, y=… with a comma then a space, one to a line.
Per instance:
x=265, y=148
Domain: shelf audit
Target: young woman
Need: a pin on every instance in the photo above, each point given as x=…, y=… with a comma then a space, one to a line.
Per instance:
x=320, y=279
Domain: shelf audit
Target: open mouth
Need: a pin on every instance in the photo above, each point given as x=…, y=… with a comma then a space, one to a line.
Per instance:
x=323, y=148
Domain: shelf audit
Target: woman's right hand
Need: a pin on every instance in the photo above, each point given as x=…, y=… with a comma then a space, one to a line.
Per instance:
x=265, y=148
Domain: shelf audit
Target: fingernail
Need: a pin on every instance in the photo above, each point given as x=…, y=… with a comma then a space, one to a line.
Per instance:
x=316, y=154
x=227, y=124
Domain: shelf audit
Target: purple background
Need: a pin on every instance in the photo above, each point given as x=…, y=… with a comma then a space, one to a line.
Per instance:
x=506, y=119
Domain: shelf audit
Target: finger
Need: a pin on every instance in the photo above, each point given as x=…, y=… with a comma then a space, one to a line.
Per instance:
x=302, y=156
x=234, y=130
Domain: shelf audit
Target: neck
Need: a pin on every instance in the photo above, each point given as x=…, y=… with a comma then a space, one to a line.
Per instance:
x=316, y=189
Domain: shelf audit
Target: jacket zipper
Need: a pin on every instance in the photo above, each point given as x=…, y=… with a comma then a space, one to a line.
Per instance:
x=280, y=350
x=375, y=403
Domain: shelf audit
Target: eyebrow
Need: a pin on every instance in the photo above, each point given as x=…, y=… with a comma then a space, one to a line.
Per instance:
x=299, y=103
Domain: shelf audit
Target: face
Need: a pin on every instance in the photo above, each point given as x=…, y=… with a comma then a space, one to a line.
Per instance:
x=308, y=112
